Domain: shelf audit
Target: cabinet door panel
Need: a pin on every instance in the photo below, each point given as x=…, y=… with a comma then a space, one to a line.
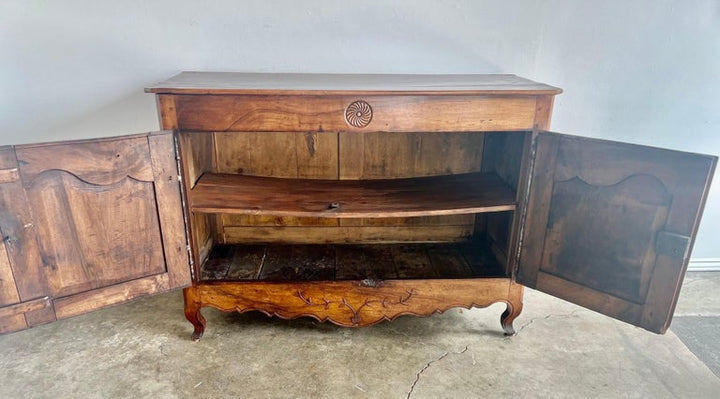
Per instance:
x=108, y=217
x=610, y=225
x=23, y=288
x=93, y=236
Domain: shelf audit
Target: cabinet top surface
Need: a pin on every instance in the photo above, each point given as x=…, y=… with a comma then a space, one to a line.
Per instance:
x=347, y=84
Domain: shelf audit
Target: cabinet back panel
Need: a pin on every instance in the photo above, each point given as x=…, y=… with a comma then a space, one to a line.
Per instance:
x=346, y=155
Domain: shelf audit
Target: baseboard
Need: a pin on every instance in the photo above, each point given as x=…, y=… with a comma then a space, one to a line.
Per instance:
x=704, y=265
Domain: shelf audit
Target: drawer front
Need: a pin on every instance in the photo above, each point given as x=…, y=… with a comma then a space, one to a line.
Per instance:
x=344, y=113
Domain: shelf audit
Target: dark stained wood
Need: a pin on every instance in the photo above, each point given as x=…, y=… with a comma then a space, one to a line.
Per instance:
x=234, y=262
x=19, y=239
x=412, y=261
x=346, y=234
x=537, y=208
x=449, y=261
x=350, y=84
x=358, y=262
x=604, y=206
x=443, y=195
x=248, y=113
x=350, y=262
x=298, y=263
x=505, y=156
x=351, y=303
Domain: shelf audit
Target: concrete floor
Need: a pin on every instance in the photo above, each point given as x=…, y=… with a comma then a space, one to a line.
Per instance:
x=142, y=349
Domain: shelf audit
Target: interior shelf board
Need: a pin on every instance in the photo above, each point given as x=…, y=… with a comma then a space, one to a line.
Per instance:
x=409, y=197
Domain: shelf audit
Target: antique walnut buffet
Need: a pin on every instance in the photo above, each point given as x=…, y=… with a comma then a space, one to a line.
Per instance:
x=348, y=198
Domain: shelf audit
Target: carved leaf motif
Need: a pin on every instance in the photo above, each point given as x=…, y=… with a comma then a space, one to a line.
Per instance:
x=355, y=316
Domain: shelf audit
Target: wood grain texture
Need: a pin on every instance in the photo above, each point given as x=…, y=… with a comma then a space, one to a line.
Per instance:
x=346, y=303
x=243, y=113
x=8, y=290
x=540, y=182
x=104, y=234
x=12, y=323
x=372, y=155
x=350, y=84
x=95, y=161
x=346, y=234
x=84, y=302
x=9, y=175
x=442, y=195
x=543, y=112
x=320, y=262
x=665, y=273
x=24, y=307
x=327, y=155
x=603, y=208
x=19, y=235
x=197, y=156
x=167, y=113
x=93, y=236
x=170, y=208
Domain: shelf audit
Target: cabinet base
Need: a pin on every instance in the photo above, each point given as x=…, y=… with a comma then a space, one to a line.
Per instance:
x=352, y=303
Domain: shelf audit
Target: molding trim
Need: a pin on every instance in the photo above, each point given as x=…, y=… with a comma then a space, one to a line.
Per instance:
x=704, y=265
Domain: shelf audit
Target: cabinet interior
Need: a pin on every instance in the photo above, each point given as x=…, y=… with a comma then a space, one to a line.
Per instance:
x=350, y=206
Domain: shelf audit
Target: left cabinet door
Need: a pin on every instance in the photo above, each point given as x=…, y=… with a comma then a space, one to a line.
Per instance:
x=107, y=218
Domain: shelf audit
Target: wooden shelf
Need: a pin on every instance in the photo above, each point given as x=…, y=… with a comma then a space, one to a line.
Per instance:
x=422, y=196
x=350, y=262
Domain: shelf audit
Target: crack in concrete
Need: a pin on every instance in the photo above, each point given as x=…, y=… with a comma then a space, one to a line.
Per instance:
x=427, y=366
x=561, y=315
x=412, y=338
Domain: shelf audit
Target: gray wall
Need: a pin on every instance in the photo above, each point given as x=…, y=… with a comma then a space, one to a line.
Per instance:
x=640, y=71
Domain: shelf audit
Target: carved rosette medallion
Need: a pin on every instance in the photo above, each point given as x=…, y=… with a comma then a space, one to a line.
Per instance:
x=358, y=114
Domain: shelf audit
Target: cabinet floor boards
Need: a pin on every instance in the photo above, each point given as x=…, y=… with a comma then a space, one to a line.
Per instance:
x=350, y=262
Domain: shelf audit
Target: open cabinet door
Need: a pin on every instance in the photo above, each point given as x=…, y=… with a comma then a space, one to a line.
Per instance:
x=93, y=223
x=609, y=226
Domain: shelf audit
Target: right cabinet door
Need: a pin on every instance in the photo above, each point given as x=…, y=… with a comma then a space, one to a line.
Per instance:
x=609, y=226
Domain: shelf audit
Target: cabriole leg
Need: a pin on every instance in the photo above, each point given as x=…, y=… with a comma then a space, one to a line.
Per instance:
x=514, y=307
x=192, y=312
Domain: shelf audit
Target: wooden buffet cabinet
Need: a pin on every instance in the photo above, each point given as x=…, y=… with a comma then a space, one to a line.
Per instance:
x=348, y=198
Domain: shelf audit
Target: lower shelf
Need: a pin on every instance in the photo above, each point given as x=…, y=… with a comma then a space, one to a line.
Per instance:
x=350, y=262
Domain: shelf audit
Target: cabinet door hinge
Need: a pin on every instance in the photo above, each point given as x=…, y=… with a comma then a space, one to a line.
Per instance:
x=672, y=244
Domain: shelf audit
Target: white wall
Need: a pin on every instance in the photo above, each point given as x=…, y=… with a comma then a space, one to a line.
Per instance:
x=640, y=71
